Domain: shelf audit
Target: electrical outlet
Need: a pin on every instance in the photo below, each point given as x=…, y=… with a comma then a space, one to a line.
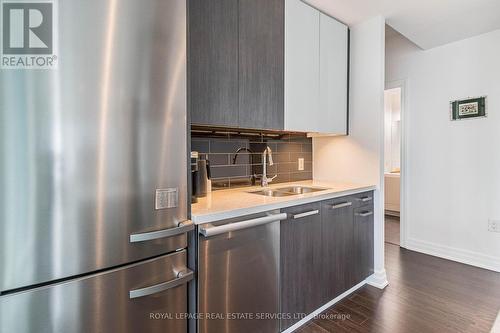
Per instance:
x=494, y=225
x=301, y=164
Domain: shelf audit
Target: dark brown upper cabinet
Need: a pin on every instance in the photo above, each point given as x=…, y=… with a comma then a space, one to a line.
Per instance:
x=213, y=62
x=236, y=63
x=261, y=64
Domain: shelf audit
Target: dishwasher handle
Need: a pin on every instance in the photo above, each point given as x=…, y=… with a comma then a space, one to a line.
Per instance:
x=210, y=230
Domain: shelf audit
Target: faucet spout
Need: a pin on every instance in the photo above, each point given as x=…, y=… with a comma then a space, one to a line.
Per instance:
x=264, y=180
x=240, y=150
x=270, y=154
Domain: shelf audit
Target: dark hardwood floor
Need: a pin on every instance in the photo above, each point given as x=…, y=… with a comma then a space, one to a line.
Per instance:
x=392, y=230
x=425, y=294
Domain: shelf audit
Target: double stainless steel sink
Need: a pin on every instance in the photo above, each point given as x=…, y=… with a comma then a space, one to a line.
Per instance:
x=288, y=191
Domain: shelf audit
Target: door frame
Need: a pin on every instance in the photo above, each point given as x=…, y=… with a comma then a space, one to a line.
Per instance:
x=404, y=153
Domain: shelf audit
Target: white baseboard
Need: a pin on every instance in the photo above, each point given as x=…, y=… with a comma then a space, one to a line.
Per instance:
x=455, y=254
x=324, y=307
x=496, y=325
x=378, y=279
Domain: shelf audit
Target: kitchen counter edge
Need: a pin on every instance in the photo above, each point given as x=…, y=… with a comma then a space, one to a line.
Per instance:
x=292, y=201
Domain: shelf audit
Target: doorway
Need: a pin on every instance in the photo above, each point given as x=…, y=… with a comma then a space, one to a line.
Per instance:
x=393, y=148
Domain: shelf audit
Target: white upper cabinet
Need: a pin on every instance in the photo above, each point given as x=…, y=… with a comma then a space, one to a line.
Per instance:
x=302, y=112
x=316, y=71
x=333, y=76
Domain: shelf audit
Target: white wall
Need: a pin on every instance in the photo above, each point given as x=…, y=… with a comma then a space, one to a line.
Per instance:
x=358, y=158
x=453, y=170
x=392, y=117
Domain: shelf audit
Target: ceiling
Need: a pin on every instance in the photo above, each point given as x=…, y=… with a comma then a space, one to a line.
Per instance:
x=427, y=23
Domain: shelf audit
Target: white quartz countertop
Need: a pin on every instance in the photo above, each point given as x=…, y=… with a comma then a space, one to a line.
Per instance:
x=225, y=204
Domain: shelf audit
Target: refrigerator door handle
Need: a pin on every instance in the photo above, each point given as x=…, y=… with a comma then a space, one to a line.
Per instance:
x=147, y=236
x=183, y=277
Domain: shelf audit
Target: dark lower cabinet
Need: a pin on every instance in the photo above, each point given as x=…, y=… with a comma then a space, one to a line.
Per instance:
x=363, y=199
x=337, y=241
x=261, y=64
x=363, y=242
x=302, y=288
x=326, y=249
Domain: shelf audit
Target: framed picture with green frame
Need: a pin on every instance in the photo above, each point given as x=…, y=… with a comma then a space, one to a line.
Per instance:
x=469, y=108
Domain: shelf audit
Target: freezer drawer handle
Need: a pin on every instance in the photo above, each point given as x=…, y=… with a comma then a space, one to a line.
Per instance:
x=147, y=236
x=301, y=215
x=210, y=230
x=365, y=199
x=183, y=277
x=365, y=214
x=342, y=205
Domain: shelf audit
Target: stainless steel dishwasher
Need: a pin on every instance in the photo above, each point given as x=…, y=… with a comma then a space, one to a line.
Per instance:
x=239, y=274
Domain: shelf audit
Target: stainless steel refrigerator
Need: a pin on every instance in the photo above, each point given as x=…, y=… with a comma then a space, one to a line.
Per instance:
x=93, y=174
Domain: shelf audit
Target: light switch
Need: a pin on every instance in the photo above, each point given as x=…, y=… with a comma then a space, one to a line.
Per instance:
x=494, y=225
x=301, y=164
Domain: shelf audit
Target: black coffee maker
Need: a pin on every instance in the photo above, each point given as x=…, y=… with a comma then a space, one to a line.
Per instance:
x=200, y=174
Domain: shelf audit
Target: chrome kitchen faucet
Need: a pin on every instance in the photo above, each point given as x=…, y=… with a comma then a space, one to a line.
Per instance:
x=264, y=180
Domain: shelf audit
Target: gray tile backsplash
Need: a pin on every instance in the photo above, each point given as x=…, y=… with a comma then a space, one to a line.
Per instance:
x=228, y=172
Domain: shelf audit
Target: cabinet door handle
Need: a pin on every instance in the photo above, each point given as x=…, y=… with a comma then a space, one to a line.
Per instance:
x=183, y=276
x=342, y=205
x=365, y=199
x=364, y=214
x=312, y=212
